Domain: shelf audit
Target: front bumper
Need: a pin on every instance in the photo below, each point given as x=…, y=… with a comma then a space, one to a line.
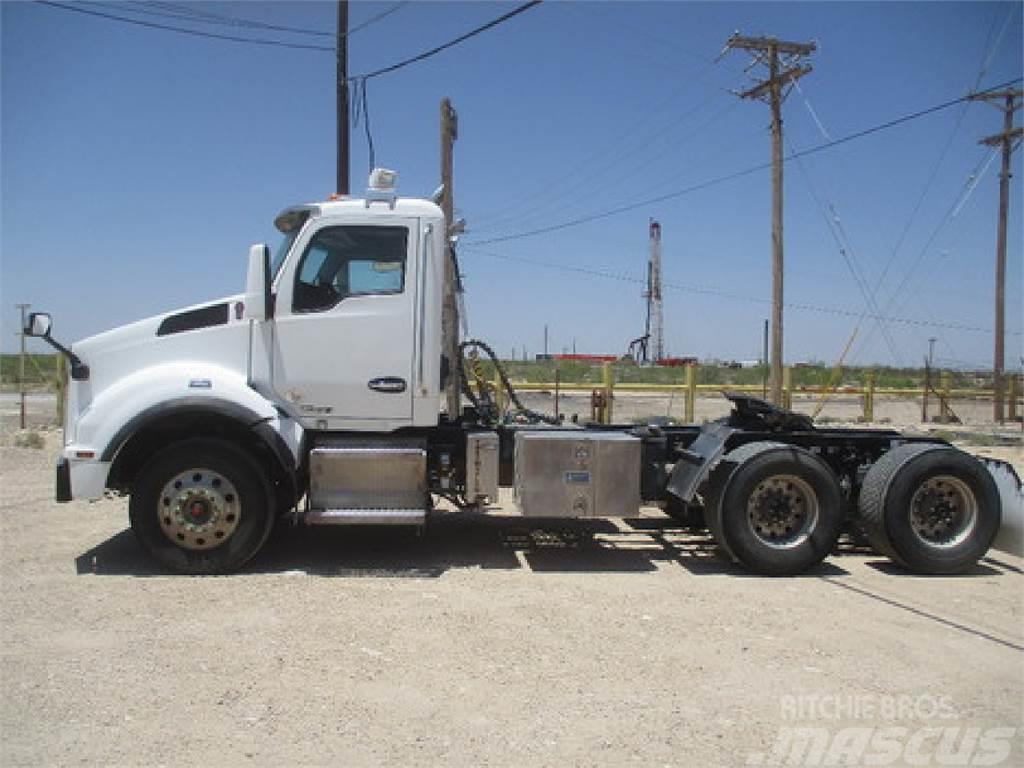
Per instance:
x=78, y=477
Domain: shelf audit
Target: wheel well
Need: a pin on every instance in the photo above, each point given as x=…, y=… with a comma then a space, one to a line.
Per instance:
x=155, y=435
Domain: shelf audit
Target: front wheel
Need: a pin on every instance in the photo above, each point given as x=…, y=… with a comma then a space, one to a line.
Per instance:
x=201, y=506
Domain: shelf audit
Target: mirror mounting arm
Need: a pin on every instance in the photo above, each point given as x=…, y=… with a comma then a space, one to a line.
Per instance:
x=79, y=370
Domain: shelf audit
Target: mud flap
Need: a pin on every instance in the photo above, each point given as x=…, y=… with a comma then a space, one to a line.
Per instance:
x=697, y=461
x=1011, y=533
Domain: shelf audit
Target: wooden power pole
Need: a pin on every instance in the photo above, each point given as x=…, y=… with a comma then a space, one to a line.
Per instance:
x=342, y=87
x=1008, y=102
x=449, y=307
x=783, y=60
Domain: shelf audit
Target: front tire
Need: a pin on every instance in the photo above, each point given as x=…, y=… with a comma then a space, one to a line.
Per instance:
x=201, y=506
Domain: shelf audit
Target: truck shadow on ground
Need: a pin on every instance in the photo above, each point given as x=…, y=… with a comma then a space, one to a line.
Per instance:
x=462, y=540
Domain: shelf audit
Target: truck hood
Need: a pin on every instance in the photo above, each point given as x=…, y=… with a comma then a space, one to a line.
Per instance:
x=211, y=332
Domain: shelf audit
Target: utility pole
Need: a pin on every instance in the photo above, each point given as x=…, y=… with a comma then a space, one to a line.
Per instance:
x=342, y=86
x=655, y=310
x=764, y=362
x=449, y=307
x=545, y=341
x=21, y=361
x=1008, y=102
x=784, y=62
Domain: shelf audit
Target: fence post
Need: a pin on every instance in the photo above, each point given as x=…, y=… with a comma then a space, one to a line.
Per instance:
x=499, y=391
x=609, y=386
x=1014, y=393
x=924, y=393
x=787, y=388
x=869, y=398
x=946, y=384
x=689, y=415
x=62, y=379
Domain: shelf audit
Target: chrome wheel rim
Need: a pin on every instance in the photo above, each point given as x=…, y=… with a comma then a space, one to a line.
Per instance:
x=198, y=509
x=943, y=511
x=782, y=511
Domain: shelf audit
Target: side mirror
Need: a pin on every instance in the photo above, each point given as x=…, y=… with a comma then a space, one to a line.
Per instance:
x=258, y=299
x=38, y=325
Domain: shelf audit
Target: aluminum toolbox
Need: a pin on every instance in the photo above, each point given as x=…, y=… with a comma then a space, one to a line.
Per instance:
x=568, y=473
x=482, y=466
x=367, y=474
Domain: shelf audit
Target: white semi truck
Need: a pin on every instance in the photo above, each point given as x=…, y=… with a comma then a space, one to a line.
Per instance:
x=316, y=396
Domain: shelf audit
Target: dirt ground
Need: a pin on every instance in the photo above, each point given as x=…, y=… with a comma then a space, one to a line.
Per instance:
x=494, y=641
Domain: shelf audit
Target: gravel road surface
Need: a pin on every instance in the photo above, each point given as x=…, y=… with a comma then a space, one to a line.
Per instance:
x=486, y=642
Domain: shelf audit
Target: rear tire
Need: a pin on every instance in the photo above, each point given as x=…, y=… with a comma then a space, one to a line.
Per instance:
x=775, y=508
x=201, y=506
x=931, y=508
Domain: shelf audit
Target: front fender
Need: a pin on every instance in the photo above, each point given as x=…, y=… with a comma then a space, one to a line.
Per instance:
x=161, y=392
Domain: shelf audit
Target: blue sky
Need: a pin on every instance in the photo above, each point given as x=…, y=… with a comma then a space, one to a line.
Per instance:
x=138, y=165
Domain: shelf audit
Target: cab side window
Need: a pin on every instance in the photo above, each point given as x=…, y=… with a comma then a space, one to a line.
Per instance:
x=350, y=261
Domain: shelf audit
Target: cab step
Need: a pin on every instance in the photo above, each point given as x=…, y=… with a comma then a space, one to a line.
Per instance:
x=365, y=517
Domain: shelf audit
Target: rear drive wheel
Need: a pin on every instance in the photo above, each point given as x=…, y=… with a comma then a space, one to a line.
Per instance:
x=776, y=508
x=930, y=508
x=201, y=506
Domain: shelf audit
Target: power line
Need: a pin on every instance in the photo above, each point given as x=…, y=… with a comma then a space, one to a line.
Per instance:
x=382, y=15
x=544, y=209
x=726, y=295
x=732, y=176
x=301, y=46
x=200, y=16
x=849, y=257
x=174, y=11
x=951, y=214
x=184, y=30
x=444, y=46
x=550, y=188
x=843, y=241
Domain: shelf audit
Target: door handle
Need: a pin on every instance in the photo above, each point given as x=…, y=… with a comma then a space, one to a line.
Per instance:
x=389, y=384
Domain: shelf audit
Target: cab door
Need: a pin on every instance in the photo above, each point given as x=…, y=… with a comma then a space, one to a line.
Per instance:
x=343, y=336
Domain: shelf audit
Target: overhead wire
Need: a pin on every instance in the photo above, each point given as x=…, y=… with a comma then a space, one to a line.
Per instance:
x=848, y=255
x=989, y=50
x=947, y=219
x=735, y=175
x=551, y=188
x=451, y=43
x=720, y=293
x=301, y=46
x=185, y=30
x=546, y=209
x=203, y=16
x=843, y=241
x=199, y=16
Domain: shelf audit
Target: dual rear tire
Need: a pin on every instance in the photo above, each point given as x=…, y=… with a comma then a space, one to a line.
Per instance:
x=930, y=508
x=778, y=509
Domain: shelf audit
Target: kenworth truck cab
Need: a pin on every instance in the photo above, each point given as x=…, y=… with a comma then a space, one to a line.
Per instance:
x=316, y=396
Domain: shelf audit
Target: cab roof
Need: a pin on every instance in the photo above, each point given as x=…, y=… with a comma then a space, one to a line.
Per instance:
x=294, y=216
